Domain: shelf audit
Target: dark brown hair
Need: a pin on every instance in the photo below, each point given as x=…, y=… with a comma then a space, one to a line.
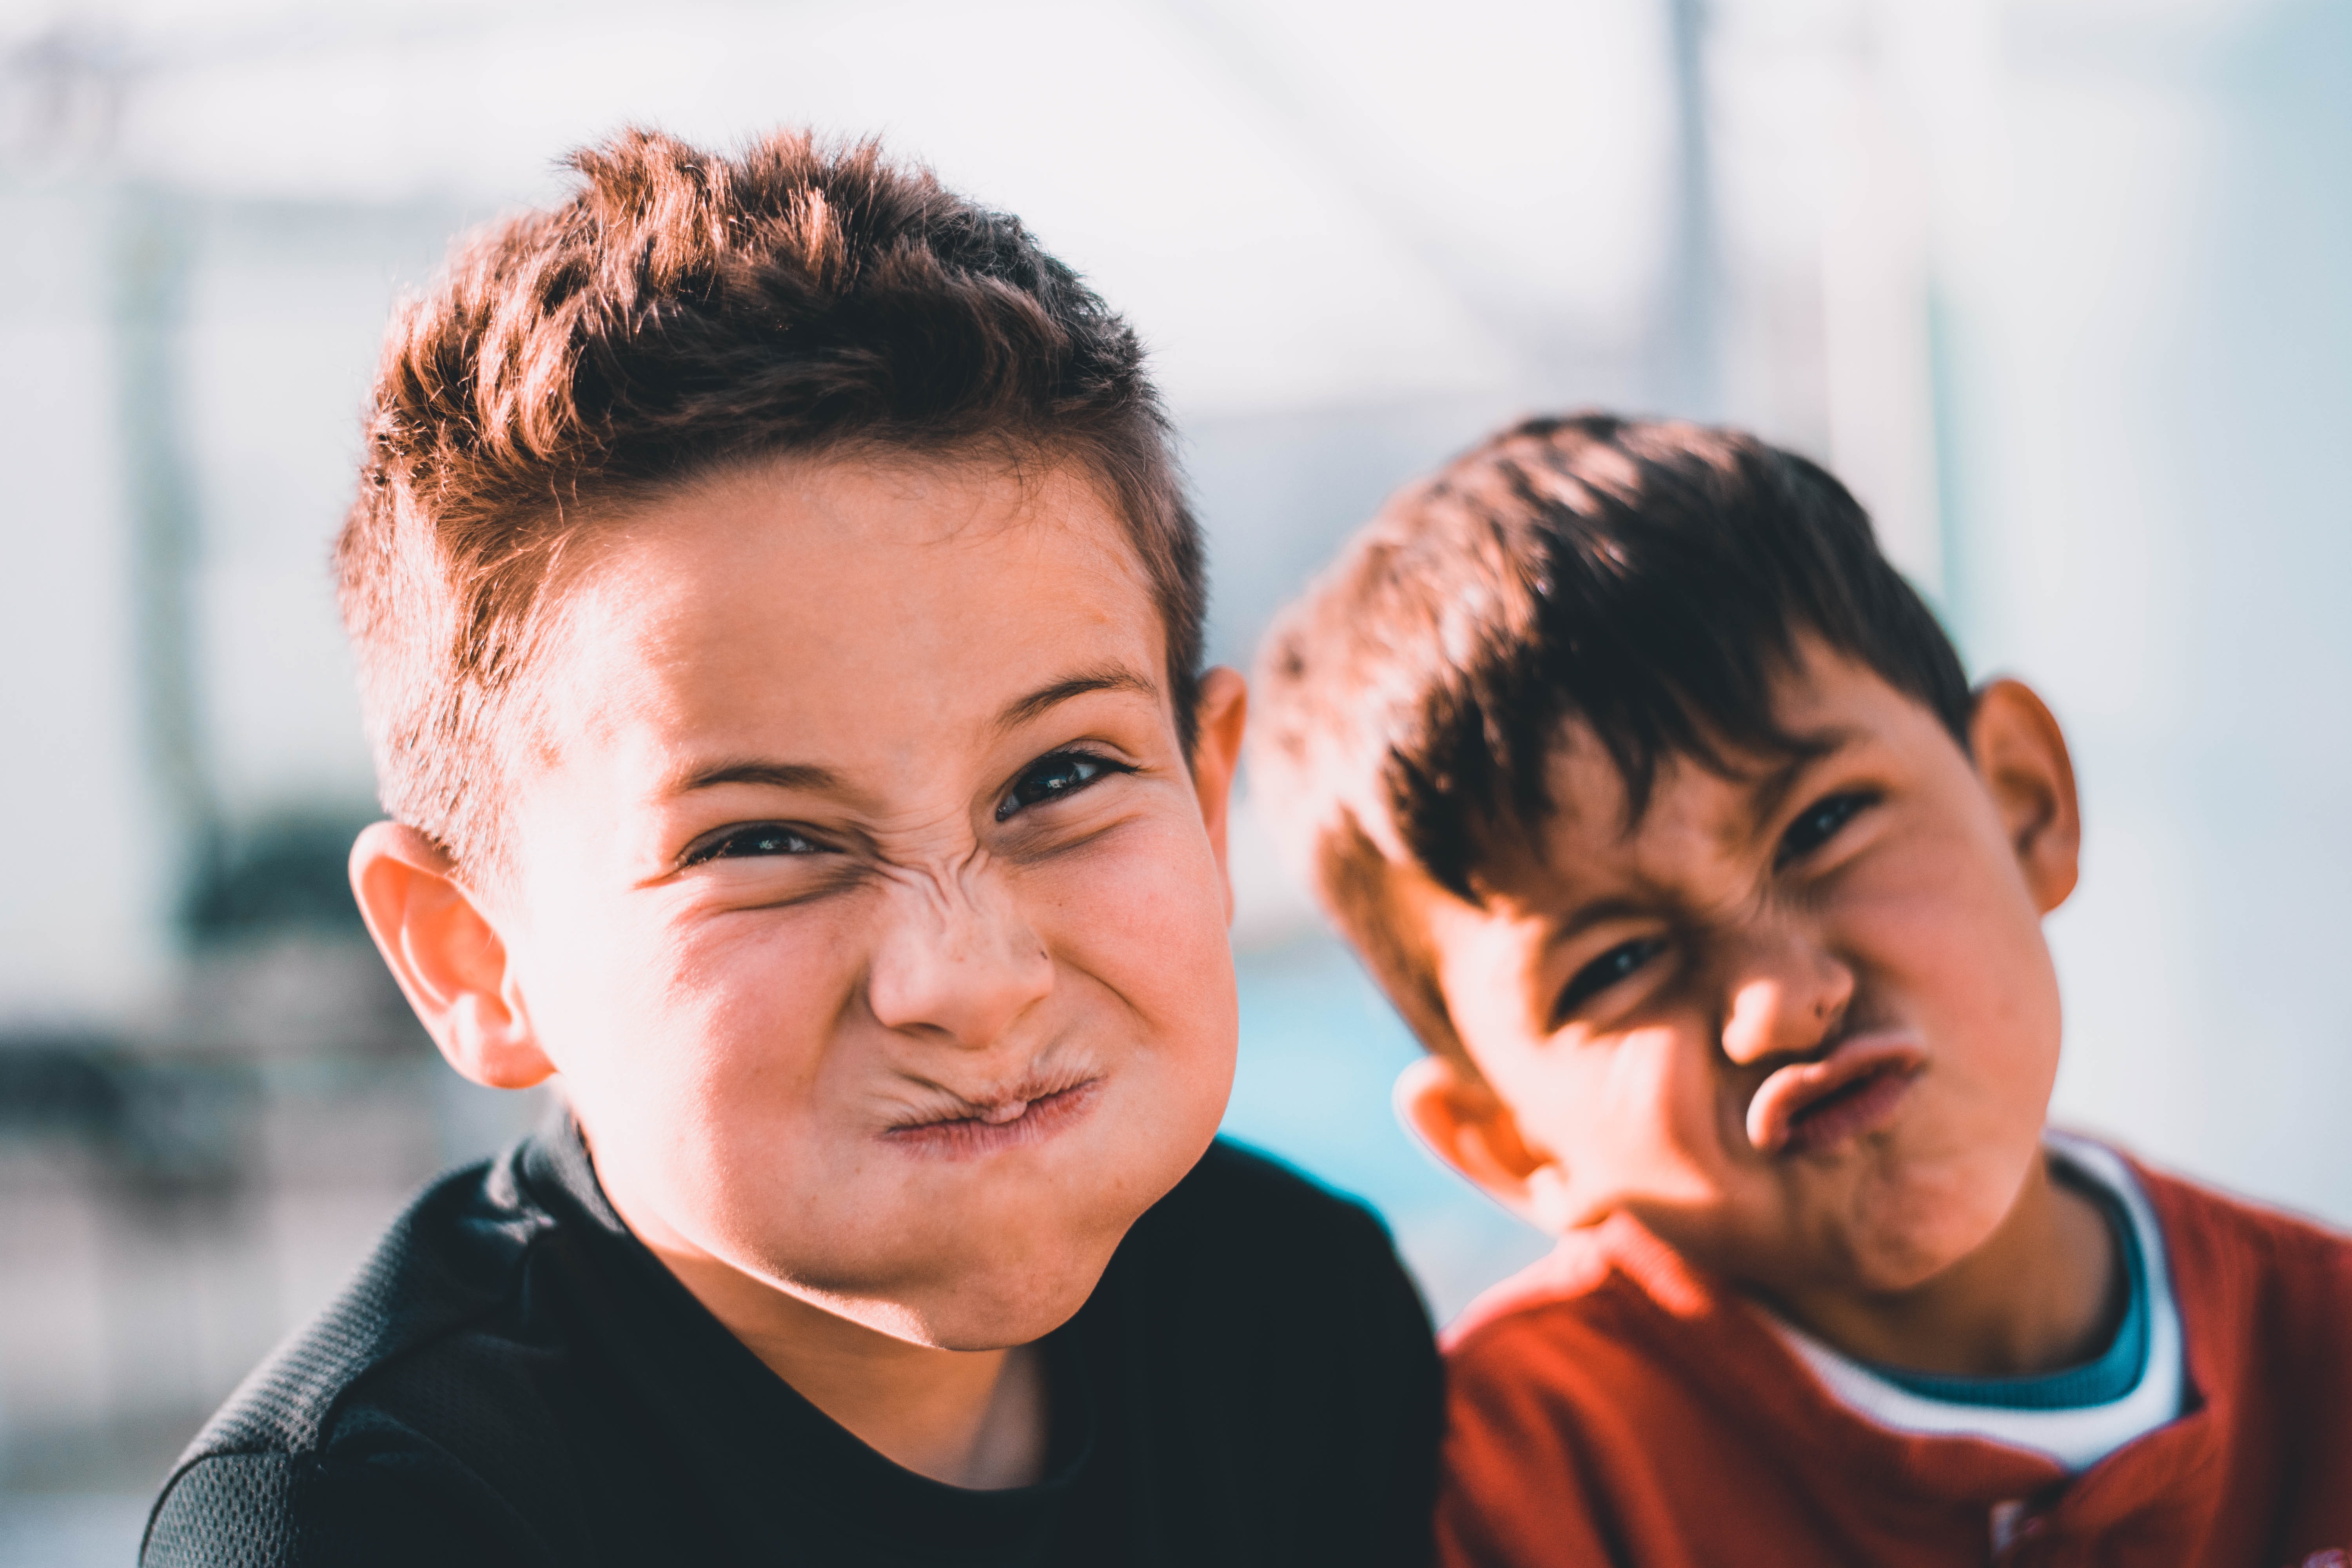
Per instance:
x=681, y=313
x=1648, y=579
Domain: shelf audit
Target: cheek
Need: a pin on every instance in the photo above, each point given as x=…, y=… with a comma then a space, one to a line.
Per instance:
x=1958, y=940
x=695, y=1030
x=1140, y=916
x=748, y=999
x=1957, y=948
x=1662, y=1107
x=1638, y=1114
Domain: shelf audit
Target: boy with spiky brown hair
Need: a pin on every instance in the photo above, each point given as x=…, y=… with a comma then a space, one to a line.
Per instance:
x=1659, y=804
x=780, y=626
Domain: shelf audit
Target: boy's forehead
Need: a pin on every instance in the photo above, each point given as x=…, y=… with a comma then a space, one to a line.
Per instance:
x=797, y=593
x=1593, y=833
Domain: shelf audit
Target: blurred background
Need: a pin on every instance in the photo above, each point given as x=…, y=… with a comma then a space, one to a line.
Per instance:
x=2063, y=287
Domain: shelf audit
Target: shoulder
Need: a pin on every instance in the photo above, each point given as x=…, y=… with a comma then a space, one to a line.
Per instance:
x=1245, y=1246
x=1252, y=1281
x=307, y=1424
x=1567, y=1303
x=1570, y=1410
x=276, y=1509
x=2203, y=1226
x=1239, y=1199
x=2264, y=1298
x=1285, y=1361
x=1606, y=1342
x=2246, y=1259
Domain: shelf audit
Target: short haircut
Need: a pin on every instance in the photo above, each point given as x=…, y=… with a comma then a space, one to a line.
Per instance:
x=679, y=313
x=1649, y=579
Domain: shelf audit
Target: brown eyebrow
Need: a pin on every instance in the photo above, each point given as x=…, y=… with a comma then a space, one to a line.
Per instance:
x=1021, y=710
x=775, y=775
x=1597, y=912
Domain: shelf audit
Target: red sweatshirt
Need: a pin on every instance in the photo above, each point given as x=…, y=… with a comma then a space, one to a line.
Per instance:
x=1613, y=1405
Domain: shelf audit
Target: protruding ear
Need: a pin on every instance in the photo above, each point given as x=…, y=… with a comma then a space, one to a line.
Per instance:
x=1218, y=720
x=2021, y=754
x=448, y=958
x=1465, y=1123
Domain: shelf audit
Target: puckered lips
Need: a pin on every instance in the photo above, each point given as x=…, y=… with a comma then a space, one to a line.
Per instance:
x=1024, y=1113
x=1855, y=1089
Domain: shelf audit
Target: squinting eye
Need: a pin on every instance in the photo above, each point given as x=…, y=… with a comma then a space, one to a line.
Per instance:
x=1050, y=778
x=762, y=839
x=1819, y=822
x=1618, y=964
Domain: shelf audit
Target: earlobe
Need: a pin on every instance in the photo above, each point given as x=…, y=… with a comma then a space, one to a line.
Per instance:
x=2020, y=754
x=1219, y=720
x=1466, y=1125
x=448, y=956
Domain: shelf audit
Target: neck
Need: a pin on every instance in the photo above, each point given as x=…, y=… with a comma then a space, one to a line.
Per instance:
x=969, y=1418
x=2043, y=1292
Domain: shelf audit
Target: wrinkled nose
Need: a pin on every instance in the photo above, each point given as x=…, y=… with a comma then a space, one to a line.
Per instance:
x=957, y=961
x=1787, y=996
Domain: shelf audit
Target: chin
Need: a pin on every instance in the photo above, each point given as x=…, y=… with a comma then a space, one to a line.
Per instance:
x=1917, y=1235
x=999, y=1308
x=1893, y=1267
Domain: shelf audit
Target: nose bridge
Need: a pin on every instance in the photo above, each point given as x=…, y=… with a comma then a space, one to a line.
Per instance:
x=1784, y=989
x=956, y=955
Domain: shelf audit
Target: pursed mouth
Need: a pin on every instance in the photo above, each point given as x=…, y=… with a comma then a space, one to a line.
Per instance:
x=1029, y=1113
x=1855, y=1089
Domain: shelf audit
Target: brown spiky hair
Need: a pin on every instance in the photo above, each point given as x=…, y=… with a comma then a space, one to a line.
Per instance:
x=681, y=313
x=1648, y=579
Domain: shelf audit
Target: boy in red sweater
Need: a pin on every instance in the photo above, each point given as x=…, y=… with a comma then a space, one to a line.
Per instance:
x=1661, y=808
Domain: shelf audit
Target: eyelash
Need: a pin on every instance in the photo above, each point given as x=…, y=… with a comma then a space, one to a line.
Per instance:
x=1820, y=822
x=1012, y=805
x=765, y=838
x=724, y=847
x=1619, y=963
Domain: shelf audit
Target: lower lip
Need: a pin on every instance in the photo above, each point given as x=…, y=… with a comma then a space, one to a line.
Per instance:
x=971, y=1138
x=1857, y=1110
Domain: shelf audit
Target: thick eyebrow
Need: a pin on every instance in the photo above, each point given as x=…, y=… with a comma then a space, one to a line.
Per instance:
x=809, y=776
x=775, y=775
x=1112, y=678
x=1597, y=913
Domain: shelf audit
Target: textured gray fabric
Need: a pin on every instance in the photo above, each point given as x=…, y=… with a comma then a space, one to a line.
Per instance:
x=224, y=1512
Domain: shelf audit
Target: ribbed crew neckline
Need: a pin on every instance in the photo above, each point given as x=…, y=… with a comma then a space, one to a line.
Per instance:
x=2101, y=1380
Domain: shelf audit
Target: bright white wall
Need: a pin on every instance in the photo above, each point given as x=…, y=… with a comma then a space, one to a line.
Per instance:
x=86, y=868
x=2151, y=336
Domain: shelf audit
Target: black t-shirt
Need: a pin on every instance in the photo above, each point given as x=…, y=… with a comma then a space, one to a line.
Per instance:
x=513, y=1379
